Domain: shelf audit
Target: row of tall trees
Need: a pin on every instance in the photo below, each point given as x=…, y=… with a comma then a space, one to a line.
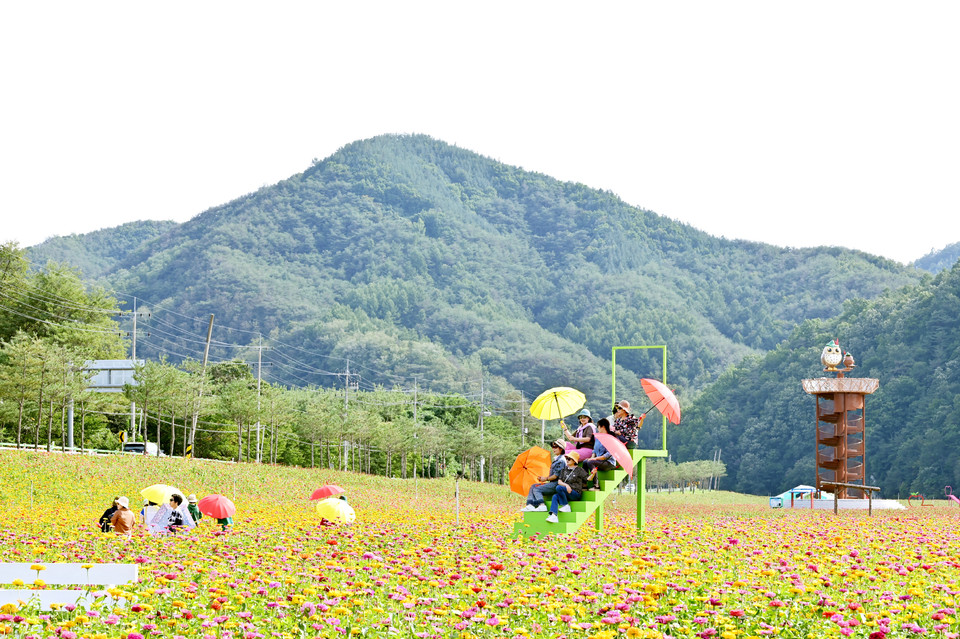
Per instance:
x=391, y=432
x=52, y=325
x=664, y=474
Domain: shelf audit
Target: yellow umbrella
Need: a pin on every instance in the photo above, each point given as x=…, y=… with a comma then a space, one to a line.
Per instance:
x=557, y=403
x=161, y=493
x=336, y=510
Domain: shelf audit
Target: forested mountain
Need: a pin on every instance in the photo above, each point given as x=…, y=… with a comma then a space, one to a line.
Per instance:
x=764, y=423
x=416, y=258
x=936, y=261
x=97, y=252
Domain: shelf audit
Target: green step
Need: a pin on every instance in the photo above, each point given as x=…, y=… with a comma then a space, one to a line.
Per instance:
x=535, y=523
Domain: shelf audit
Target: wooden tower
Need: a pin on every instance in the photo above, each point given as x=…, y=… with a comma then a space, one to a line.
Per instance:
x=841, y=427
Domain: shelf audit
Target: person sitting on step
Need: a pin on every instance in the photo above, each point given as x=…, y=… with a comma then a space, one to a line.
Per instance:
x=601, y=459
x=547, y=483
x=570, y=485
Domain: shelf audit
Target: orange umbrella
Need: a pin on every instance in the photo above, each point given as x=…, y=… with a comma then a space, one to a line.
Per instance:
x=663, y=399
x=529, y=465
x=620, y=452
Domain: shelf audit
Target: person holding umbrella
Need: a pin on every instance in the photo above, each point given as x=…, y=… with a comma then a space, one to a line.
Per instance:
x=582, y=439
x=624, y=425
x=220, y=508
x=570, y=484
x=601, y=458
x=548, y=483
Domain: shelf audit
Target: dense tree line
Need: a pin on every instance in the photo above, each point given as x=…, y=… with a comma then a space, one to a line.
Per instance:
x=760, y=417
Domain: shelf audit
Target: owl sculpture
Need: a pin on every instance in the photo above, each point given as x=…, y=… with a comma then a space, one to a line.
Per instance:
x=831, y=355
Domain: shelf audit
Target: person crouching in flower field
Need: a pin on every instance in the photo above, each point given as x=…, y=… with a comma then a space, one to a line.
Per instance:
x=601, y=459
x=193, y=509
x=625, y=425
x=548, y=482
x=123, y=520
x=570, y=486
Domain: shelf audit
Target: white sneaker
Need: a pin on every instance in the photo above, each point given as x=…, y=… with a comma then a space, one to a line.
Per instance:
x=552, y=519
x=529, y=508
x=565, y=508
x=542, y=508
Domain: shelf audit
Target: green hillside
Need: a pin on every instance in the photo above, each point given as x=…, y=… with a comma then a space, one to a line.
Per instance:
x=936, y=261
x=97, y=252
x=763, y=422
x=415, y=258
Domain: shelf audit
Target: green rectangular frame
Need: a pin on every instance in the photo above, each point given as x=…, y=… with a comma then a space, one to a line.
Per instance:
x=641, y=469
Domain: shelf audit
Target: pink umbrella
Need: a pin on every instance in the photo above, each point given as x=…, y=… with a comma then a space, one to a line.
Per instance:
x=329, y=490
x=620, y=452
x=217, y=506
x=663, y=399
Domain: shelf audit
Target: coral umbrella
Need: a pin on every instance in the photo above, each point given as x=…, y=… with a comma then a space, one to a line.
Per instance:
x=336, y=510
x=619, y=451
x=663, y=399
x=529, y=465
x=217, y=506
x=161, y=493
x=327, y=490
x=557, y=403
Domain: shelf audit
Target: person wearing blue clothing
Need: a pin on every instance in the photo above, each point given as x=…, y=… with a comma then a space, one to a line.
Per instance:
x=548, y=483
x=602, y=459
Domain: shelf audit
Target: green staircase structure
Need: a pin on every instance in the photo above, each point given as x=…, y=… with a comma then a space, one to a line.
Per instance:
x=535, y=523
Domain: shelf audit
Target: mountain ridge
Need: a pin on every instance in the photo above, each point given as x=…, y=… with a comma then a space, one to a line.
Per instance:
x=397, y=244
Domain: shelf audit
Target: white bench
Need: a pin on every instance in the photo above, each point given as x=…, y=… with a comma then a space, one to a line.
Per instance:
x=98, y=577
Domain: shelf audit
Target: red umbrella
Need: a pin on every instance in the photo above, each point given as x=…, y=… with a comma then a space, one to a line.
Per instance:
x=620, y=452
x=663, y=399
x=217, y=506
x=329, y=490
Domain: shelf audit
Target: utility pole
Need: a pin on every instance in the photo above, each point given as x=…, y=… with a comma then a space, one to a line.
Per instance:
x=415, y=430
x=203, y=376
x=133, y=361
x=346, y=407
x=259, y=427
x=523, y=428
x=483, y=459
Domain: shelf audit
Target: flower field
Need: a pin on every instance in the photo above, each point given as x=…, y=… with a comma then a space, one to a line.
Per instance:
x=407, y=568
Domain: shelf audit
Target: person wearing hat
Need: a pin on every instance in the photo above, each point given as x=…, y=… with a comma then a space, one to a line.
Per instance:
x=582, y=439
x=570, y=486
x=123, y=520
x=547, y=484
x=624, y=425
x=193, y=508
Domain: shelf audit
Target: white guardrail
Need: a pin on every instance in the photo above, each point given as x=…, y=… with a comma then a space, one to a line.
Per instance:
x=69, y=451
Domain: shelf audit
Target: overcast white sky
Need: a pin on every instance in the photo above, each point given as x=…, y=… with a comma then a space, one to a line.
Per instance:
x=798, y=124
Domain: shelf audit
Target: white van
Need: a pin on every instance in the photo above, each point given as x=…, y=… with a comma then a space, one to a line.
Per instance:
x=142, y=448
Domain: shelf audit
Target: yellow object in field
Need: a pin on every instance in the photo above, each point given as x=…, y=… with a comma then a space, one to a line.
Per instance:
x=336, y=510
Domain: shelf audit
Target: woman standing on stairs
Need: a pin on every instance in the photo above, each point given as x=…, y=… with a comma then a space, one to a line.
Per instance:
x=570, y=486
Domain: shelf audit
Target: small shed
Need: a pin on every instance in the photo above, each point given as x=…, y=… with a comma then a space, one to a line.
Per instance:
x=790, y=496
